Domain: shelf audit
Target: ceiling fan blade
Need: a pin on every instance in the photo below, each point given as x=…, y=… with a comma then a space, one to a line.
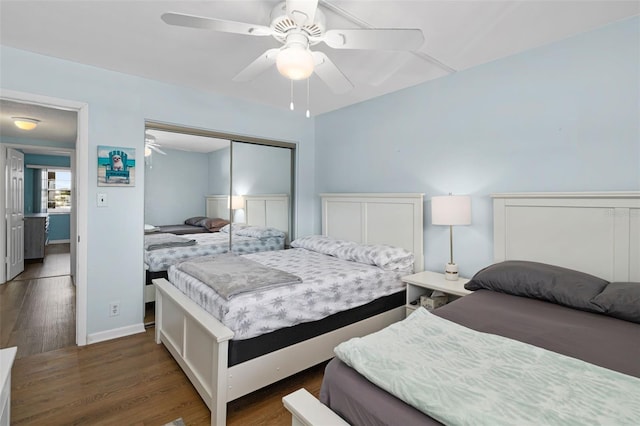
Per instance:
x=192, y=21
x=302, y=11
x=258, y=66
x=156, y=149
x=376, y=38
x=328, y=72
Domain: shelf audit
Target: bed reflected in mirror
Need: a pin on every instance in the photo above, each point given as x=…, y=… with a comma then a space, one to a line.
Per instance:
x=196, y=184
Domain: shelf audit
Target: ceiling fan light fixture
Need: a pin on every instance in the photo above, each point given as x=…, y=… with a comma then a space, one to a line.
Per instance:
x=24, y=123
x=295, y=61
x=149, y=138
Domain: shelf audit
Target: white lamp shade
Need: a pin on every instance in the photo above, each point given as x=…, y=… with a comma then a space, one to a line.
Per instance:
x=451, y=210
x=236, y=202
x=295, y=62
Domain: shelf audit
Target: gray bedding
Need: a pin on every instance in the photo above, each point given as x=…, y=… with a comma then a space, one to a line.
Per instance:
x=162, y=241
x=181, y=229
x=591, y=337
x=230, y=275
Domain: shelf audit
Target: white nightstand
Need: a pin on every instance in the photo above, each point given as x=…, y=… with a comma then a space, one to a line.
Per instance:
x=423, y=283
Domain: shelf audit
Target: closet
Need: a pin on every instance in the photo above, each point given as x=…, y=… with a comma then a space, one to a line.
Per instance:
x=191, y=166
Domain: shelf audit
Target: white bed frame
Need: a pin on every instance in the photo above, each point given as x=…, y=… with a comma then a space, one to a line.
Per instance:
x=597, y=233
x=260, y=210
x=199, y=342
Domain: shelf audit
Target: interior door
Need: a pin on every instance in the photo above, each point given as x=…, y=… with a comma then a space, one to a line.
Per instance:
x=15, y=213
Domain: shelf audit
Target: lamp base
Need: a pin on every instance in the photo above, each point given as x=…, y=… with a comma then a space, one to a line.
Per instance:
x=451, y=272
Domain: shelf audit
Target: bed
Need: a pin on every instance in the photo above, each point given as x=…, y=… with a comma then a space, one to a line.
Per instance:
x=192, y=225
x=267, y=212
x=224, y=365
x=589, y=242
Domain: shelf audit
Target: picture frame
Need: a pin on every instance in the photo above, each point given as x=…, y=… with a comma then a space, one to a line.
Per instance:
x=116, y=166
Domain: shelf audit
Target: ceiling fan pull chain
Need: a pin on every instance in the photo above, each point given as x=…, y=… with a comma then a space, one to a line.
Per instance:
x=308, y=113
x=291, y=104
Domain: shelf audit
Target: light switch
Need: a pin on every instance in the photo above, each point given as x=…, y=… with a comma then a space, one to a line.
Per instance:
x=102, y=200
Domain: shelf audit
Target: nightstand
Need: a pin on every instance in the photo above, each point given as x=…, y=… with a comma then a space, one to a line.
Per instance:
x=423, y=283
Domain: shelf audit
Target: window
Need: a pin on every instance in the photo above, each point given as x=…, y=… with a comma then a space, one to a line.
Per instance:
x=56, y=190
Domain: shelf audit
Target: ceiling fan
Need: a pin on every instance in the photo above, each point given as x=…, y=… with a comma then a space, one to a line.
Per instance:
x=299, y=24
x=150, y=145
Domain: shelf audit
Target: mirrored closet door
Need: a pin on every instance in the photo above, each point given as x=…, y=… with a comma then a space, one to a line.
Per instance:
x=262, y=185
x=197, y=181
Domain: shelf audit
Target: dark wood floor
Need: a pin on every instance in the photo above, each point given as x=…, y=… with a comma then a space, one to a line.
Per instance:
x=37, y=308
x=127, y=381
x=131, y=380
x=56, y=263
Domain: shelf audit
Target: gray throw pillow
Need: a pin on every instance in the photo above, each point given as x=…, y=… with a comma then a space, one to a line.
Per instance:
x=540, y=281
x=194, y=220
x=620, y=300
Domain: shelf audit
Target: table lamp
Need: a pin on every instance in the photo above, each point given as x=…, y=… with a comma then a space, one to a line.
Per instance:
x=451, y=210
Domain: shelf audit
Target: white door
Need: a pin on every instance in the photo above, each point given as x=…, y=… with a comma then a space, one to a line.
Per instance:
x=15, y=213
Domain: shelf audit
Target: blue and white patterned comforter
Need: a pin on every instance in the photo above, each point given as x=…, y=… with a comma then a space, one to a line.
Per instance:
x=329, y=285
x=208, y=244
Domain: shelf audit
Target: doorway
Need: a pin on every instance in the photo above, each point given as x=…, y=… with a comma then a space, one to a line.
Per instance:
x=71, y=252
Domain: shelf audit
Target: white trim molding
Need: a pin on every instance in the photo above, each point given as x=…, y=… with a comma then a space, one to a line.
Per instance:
x=115, y=333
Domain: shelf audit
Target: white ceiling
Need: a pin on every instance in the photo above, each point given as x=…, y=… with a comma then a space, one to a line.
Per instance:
x=130, y=37
x=55, y=124
x=186, y=142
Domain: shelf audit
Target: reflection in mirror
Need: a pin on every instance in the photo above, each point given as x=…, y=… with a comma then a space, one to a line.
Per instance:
x=262, y=184
x=197, y=181
x=180, y=171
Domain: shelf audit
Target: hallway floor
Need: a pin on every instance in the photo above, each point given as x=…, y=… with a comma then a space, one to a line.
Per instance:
x=37, y=308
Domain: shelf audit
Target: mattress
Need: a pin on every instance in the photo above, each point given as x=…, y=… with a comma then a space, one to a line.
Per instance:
x=208, y=244
x=329, y=285
x=594, y=338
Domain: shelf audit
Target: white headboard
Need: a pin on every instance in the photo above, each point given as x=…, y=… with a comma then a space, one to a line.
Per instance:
x=260, y=210
x=597, y=233
x=394, y=219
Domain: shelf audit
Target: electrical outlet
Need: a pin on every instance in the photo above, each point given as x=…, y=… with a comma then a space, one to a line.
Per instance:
x=114, y=309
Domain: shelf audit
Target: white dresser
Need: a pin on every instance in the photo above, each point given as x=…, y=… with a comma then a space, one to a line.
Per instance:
x=6, y=362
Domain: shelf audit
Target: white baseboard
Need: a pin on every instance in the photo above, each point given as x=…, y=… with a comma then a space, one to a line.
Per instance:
x=58, y=241
x=114, y=333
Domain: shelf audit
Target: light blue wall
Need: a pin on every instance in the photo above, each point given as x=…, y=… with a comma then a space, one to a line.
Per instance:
x=118, y=107
x=30, y=202
x=259, y=169
x=563, y=117
x=47, y=160
x=59, y=227
x=219, y=171
x=175, y=187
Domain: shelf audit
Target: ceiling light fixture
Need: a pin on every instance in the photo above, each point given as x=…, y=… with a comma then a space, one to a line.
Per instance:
x=148, y=139
x=24, y=123
x=295, y=61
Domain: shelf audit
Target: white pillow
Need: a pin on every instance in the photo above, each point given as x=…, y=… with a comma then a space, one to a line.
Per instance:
x=245, y=230
x=258, y=232
x=319, y=243
x=384, y=256
x=387, y=257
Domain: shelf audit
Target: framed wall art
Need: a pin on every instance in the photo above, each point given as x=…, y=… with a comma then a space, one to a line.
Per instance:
x=116, y=166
